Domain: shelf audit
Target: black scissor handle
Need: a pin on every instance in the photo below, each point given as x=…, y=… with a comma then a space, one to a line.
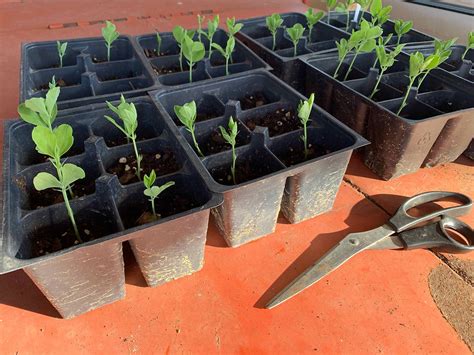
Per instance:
x=401, y=220
x=437, y=236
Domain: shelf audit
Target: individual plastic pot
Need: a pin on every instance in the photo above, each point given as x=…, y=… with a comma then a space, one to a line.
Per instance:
x=166, y=65
x=285, y=64
x=109, y=207
x=86, y=76
x=433, y=129
x=271, y=171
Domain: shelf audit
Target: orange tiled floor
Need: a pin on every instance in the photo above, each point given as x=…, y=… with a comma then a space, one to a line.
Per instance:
x=379, y=302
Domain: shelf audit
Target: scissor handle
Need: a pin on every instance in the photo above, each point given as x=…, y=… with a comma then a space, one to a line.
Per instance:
x=436, y=236
x=401, y=220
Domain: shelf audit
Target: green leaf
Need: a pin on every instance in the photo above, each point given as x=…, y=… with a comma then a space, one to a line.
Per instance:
x=274, y=22
x=304, y=109
x=193, y=51
x=109, y=32
x=295, y=32
x=50, y=101
x=230, y=136
x=470, y=40
x=230, y=47
x=29, y=115
x=331, y=4
x=219, y=48
x=71, y=173
x=232, y=27
x=313, y=18
x=63, y=138
x=157, y=190
x=212, y=26
x=127, y=113
x=179, y=33
x=45, y=141
x=187, y=114
x=416, y=63
x=402, y=27
x=376, y=6
x=43, y=181
x=149, y=180
x=367, y=46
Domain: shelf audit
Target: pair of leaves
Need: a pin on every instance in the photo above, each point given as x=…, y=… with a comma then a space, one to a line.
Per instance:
x=109, y=32
x=380, y=14
x=295, y=32
x=233, y=27
x=443, y=48
x=419, y=64
x=229, y=48
x=343, y=48
x=180, y=33
x=470, y=44
x=387, y=60
x=403, y=27
x=61, y=48
x=53, y=143
x=364, y=40
x=304, y=109
x=312, y=18
x=274, y=22
x=230, y=135
x=193, y=51
x=41, y=111
x=187, y=114
x=70, y=173
x=212, y=26
x=331, y=4
x=127, y=113
x=154, y=191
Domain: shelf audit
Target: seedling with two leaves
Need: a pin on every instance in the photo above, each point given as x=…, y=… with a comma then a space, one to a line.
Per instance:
x=187, y=115
x=61, y=51
x=304, y=111
x=330, y=5
x=386, y=61
x=193, y=51
x=40, y=111
x=227, y=53
x=470, y=44
x=230, y=136
x=312, y=19
x=212, y=26
x=127, y=113
x=180, y=34
x=152, y=192
x=295, y=33
x=402, y=28
x=110, y=34
x=233, y=27
x=380, y=14
x=274, y=22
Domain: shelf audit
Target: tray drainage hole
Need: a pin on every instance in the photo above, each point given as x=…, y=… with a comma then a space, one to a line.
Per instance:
x=354, y=241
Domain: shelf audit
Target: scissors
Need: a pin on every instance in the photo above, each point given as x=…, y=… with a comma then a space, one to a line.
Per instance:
x=401, y=232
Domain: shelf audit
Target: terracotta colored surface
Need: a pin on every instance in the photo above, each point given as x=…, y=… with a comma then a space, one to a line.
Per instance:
x=379, y=302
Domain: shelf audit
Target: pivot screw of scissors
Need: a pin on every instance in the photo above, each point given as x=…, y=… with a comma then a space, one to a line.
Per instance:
x=354, y=241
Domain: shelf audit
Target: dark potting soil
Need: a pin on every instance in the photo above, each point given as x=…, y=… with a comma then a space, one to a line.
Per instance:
x=130, y=74
x=165, y=205
x=278, y=122
x=204, y=116
x=55, y=238
x=216, y=143
x=98, y=60
x=253, y=100
x=167, y=70
x=163, y=162
x=294, y=156
x=61, y=83
x=153, y=53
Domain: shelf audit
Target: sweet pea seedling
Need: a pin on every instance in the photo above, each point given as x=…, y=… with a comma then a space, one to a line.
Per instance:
x=158, y=43
x=179, y=34
x=386, y=61
x=382, y=42
x=154, y=191
x=312, y=19
x=212, y=26
x=343, y=48
x=230, y=137
x=346, y=8
x=40, y=111
x=274, y=22
x=127, y=113
x=61, y=51
x=193, y=52
x=380, y=14
x=330, y=5
x=418, y=66
x=55, y=143
x=110, y=34
x=470, y=44
x=187, y=115
x=304, y=111
x=227, y=53
x=295, y=33
x=233, y=27
x=199, y=30
x=401, y=28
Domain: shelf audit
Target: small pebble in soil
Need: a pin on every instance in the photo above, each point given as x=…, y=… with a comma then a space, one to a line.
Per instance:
x=127, y=167
x=157, y=156
x=122, y=160
x=87, y=232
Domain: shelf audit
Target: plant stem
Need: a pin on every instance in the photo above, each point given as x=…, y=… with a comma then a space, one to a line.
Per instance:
x=153, y=207
x=406, y=95
x=274, y=41
x=196, y=143
x=350, y=66
x=190, y=71
x=108, y=52
x=464, y=54
x=347, y=19
x=329, y=16
x=338, y=67
x=294, y=49
x=181, y=58
x=60, y=61
x=376, y=84
x=305, y=141
x=226, y=65
x=399, y=39
x=361, y=16
x=422, y=79
x=210, y=48
x=138, y=158
x=232, y=168
x=309, y=34
x=375, y=63
x=71, y=215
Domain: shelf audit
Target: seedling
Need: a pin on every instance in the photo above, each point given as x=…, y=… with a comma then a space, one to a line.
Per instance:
x=312, y=19
x=212, y=26
x=380, y=14
x=52, y=83
x=127, y=113
x=401, y=28
x=304, y=111
x=330, y=5
x=470, y=44
x=193, y=52
x=152, y=191
x=233, y=27
x=343, y=48
x=274, y=22
x=227, y=53
x=199, y=31
x=382, y=42
x=386, y=61
x=230, y=137
x=39, y=111
x=363, y=41
x=179, y=34
x=418, y=66
x=158, y=43
x=346, y=8
x=295, y=34
x=187, y=115
x=364, y=4
x=55, y=144
x=61, y=51
x=110, y=34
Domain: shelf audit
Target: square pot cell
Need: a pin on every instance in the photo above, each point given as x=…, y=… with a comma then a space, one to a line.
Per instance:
x=447, y=101
x=86, y=75
x=414, y=110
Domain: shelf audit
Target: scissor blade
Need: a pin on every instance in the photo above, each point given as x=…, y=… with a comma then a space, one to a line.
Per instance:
x=351, y=245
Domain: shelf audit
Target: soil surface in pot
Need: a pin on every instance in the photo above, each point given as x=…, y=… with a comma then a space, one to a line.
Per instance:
x=153, y=53
x=163, y=162
x=278, y=122
x=165, y=205
x=167, y=70
x=99, y=60
x=253, y=100
x=61, y=83
x=295, y=156
x=216, y=143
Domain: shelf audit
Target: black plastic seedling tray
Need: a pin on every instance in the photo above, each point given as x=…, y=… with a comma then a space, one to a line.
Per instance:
x=86, y=76
x=435, y=127
x=79, y=277
x=166, y=68
x=286, y=66
x=271, y=170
